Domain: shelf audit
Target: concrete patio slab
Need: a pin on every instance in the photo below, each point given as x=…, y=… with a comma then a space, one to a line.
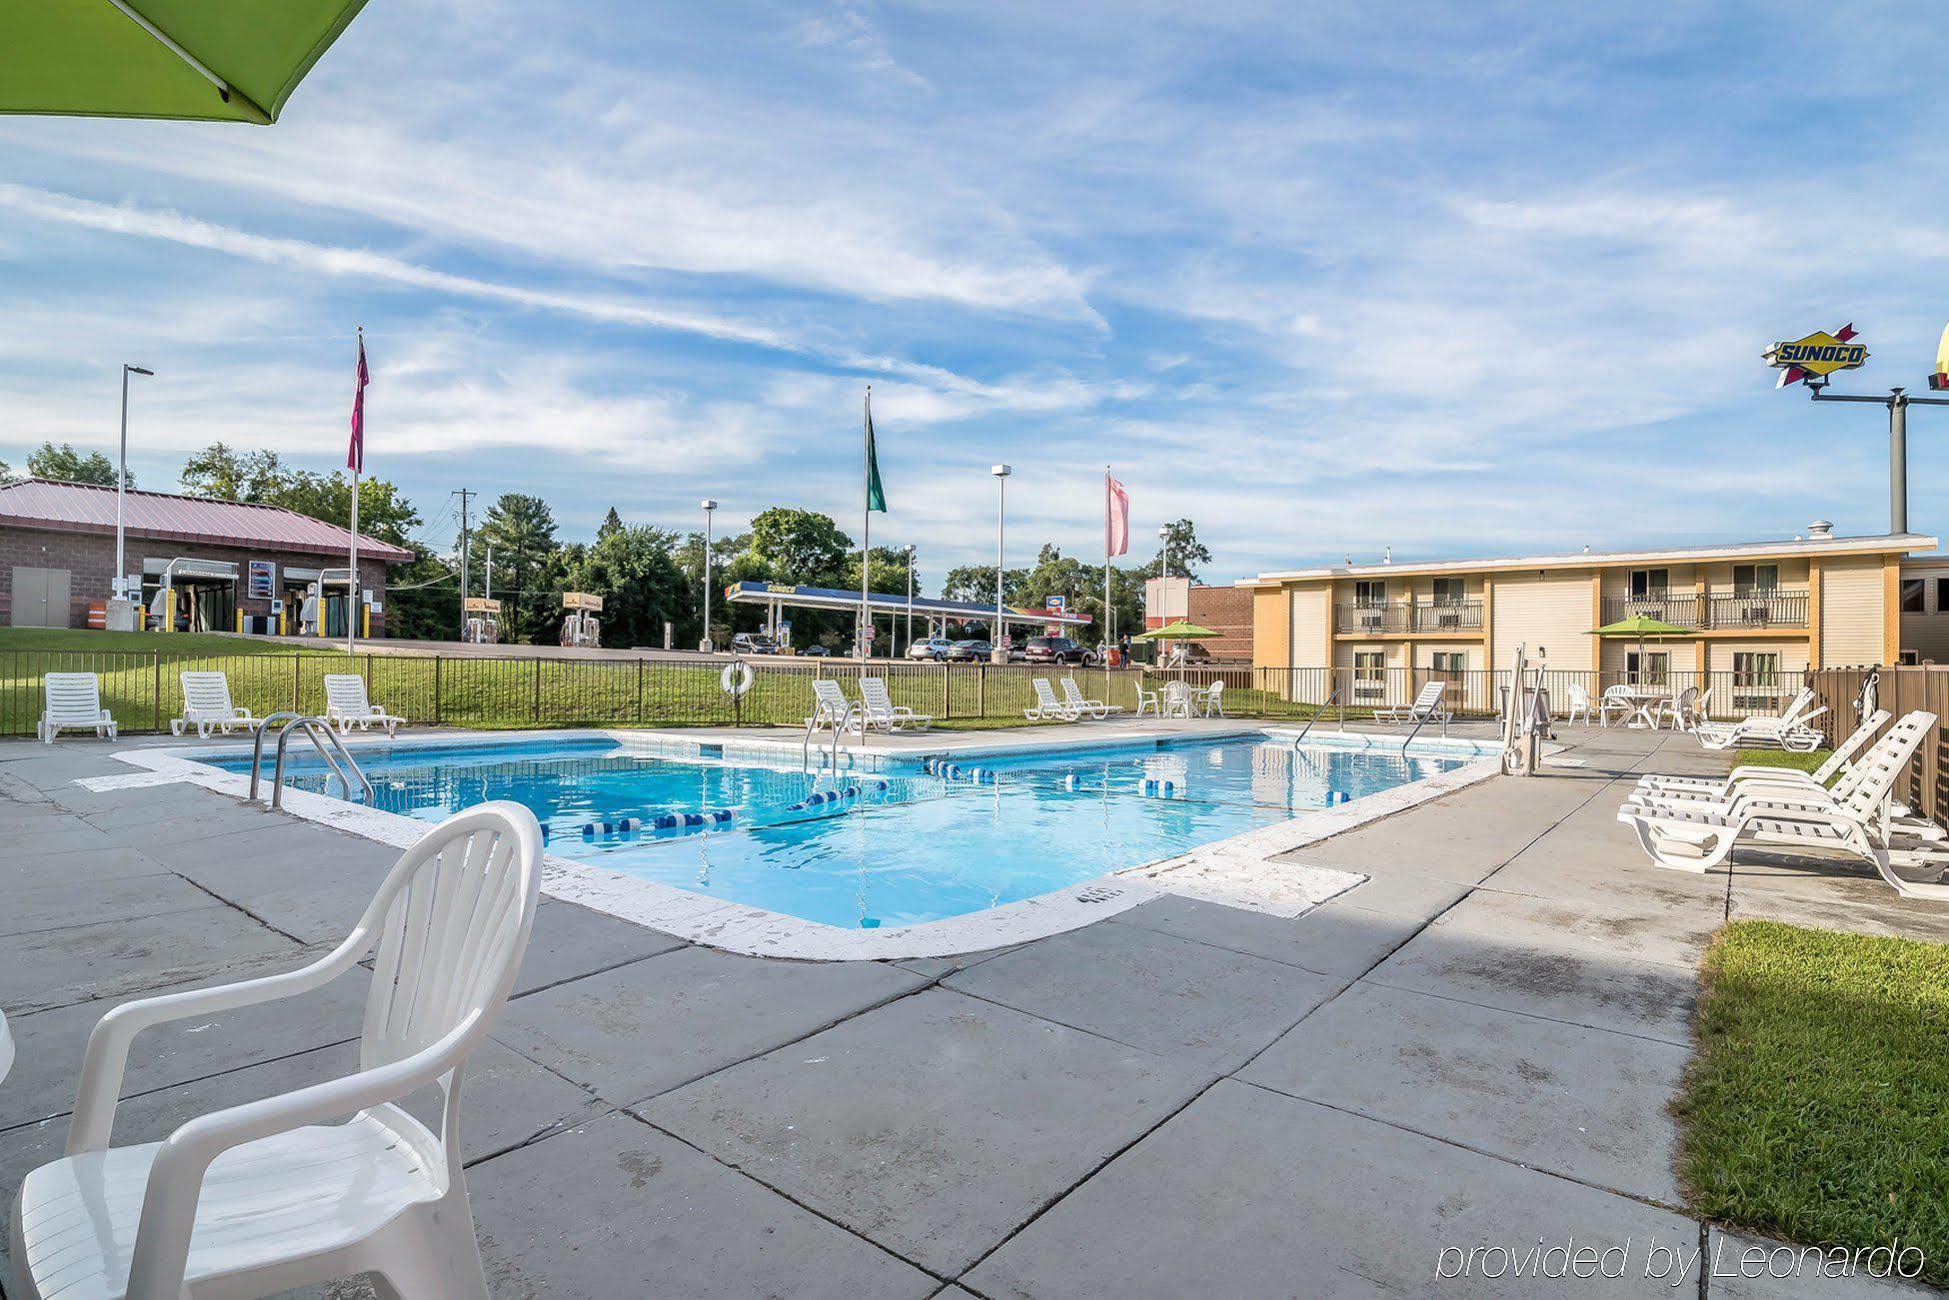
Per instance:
x=613, y=1208
x=112, y=959
x=1585, y=1103
x=50, y=1044
x=1336, y=938
x=52, y=904
x=1250, y=1193
x=643, y=1028
x=1168, y=995
x=76, y=869
x=1507, y=952
x=935, y=1126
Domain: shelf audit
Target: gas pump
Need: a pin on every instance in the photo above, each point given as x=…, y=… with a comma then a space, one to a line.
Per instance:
x=581, y=629
x=483, y=620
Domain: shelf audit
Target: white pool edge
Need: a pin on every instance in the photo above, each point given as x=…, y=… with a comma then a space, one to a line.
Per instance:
x=1241, y=870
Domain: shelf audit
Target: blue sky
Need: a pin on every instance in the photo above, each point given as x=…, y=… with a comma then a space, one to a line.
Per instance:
x=1458, y=279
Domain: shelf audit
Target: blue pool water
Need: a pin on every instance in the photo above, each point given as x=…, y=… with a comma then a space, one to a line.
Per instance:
x=886, y=848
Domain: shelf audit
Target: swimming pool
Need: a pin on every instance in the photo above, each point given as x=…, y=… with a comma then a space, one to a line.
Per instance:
x=919, y=839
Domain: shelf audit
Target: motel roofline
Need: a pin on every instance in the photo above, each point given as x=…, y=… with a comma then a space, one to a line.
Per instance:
x=1875, y=544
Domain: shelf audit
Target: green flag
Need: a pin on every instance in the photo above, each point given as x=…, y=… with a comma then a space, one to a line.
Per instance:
x=876, y=497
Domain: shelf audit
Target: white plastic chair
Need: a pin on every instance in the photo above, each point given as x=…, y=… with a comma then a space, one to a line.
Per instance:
x=74, y=701
x=346, y=706
x=1579, y=703
x=1615, y=699
x=1047, y=707
x=1072, y=695
x=831, y=708
x=207, y=706
x=883, y=713
x=1177, y=699
x=1215, y=699
x=1148, y=701
x=266, y=1196
x=1838, y=763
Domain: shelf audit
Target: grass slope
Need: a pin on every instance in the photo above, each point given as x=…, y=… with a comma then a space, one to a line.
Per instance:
x=1817, y=1109
x=1784, y=758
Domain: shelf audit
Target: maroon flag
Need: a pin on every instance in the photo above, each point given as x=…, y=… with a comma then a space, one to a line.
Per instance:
x=355, y=453
x=1116, y=520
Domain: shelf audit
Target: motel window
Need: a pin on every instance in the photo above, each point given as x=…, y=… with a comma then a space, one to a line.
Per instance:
x=1755, y=668
x=1909, y=657
x=1755, y=579
x=1649, y=668
x=1449, y=661
x=1942, y=595
x=1369, y=674
x=1449, y=591
x=1912, y=596
x=1370, y=595
x=1650, y=584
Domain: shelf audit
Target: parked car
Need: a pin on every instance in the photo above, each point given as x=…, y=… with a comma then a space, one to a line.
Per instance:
x=816, y=650
x=1056, y=650
x=962, y=652
x=934, y=647
x=753, y=643
x=1185, y=652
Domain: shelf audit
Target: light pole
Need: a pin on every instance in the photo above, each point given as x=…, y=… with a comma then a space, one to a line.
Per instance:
x=997, y=653
x=910, y=595
x=1164, y=538
x=709, y=506
x=121, y=585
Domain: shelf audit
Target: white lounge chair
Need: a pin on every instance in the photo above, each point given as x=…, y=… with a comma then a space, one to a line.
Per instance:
x=276, y=1194
x=1426, y=707
x=1708, y=787
x=1073, y=696
x=883, y=713
x=831, y=708
x=207, y=706
x=1047, y=707
x=346, y=706
x=1858, y=823
x=1788, y=730
x=74, y=701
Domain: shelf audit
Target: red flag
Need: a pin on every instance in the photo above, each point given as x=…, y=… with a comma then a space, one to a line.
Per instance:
x=355, y=453
x=1116, y=519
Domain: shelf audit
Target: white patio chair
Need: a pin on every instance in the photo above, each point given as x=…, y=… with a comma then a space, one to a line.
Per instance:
x=1579, y=703
x=1177, y=699
x=1047, y=708
x=346, y=706
x=1072, y=695
x=1425, y=708
x=1148, y=701
x=1697, y=840
x=268, y=1196
x=74, y=701
x=831, y=708
x=1215, y=699
x=207, y=706
x=1682, y=710
x=1707, y=787
x=882, y=713
x=1615, y=699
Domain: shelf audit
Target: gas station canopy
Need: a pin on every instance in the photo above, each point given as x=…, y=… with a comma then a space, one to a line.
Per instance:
x=782, y=595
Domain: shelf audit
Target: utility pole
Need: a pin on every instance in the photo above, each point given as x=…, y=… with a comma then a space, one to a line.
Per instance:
x=465, y=496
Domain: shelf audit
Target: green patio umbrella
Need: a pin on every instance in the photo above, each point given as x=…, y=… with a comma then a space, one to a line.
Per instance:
x=1641, y=626
x=1178, y=631
x=208, y=60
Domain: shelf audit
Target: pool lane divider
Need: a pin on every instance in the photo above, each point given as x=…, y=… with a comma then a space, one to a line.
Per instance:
x=948, y=771
x=823, y=799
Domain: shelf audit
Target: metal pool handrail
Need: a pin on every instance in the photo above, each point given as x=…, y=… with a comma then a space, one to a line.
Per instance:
x=330, y=748
x=1316, y=717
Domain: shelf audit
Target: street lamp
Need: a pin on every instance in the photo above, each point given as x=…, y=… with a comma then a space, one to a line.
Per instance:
x=709, y=506
x=121, y=584
x=1164, y=537
x=910, y=595
x=996, y=653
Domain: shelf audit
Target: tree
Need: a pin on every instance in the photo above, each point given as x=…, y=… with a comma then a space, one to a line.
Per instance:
x=799, y=546
x=1181, y=553
x=521, y=529
x=67, y=464
x=6, y=472
x=633, y=568
x=611, y=522
x=217, y=471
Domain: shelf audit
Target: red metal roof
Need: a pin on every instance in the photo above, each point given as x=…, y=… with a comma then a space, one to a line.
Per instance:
x=89, y=508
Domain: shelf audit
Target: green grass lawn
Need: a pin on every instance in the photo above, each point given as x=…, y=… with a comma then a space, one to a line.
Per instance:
x=1817, y=1109
x=1784, y=758
x=173, y=645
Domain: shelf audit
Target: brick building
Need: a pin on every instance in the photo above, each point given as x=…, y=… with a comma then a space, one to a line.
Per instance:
x=228, y=564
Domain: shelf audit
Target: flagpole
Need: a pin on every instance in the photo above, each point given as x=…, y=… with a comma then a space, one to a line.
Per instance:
x=352, y=586
x=1107, y=625
x=862, y=638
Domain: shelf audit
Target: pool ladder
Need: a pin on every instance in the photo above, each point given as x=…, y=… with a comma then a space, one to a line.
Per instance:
x=326, y=741
x=818, y=722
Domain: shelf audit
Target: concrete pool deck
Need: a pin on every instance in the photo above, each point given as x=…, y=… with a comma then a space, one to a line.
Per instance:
x=1474, y=1047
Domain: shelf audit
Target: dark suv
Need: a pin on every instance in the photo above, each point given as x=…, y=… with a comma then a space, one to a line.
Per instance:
x=1057, y=650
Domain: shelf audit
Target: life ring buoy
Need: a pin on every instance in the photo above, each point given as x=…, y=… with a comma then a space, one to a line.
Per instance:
x=736, y=678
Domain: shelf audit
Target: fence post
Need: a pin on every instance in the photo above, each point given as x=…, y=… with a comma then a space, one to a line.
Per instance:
x=981, y=690
x=155, y=722
x=437, y=713
x=296, y=660
x=947, y=691
x=639, y=691
x=537, y=689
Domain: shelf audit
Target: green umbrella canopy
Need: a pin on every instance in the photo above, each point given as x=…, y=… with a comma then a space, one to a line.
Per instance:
x=1641, y=625
x=1178, y=631
x=210, y=60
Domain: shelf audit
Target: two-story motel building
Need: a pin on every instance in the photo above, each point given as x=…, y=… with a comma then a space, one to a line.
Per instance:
x=1763, y=612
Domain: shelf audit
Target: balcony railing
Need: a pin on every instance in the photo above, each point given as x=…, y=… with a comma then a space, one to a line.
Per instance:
x=1715, y=610
x=1401, y=616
